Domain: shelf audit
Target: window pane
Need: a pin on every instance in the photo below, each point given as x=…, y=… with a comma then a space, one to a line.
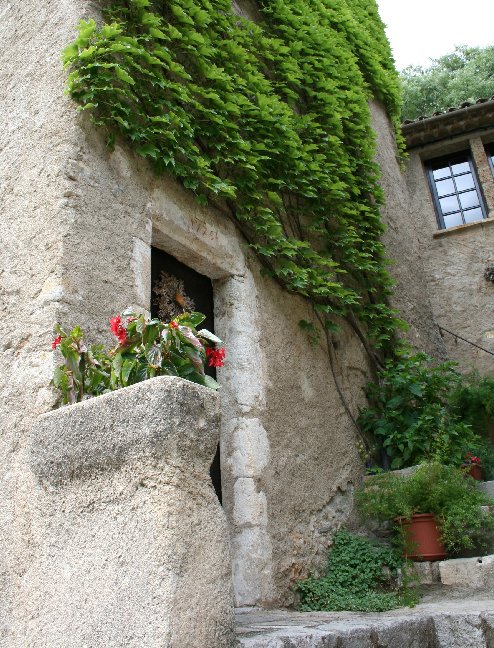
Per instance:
x=469, y=199
x=445, y=187
x=461, y=167
x=449, y=204
x=465, y=182
x=444, y=172
x=452, y=220
x=473, y=215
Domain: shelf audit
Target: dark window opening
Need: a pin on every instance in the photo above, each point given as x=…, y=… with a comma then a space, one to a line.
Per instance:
x=180, y=287
x=455, y=190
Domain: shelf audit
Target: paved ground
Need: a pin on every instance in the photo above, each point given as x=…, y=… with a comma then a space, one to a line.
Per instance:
x=446, y=618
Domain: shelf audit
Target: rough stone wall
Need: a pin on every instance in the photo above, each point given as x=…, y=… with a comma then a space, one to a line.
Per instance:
x=402, y=240
x=455, y=259
x=289, y=448
x=36, y=139
x=77, y=229
x=78, y=223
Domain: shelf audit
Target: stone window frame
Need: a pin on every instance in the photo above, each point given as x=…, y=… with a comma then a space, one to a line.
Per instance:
x=451, y=160
x=203, y=240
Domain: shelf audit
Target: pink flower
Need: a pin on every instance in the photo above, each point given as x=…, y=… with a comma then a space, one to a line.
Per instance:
x=117, y=329
x=215, y=357
x=56, y=342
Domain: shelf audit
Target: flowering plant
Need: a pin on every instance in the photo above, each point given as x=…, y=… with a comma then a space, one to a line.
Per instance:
x=471, y=459
x=146, y=348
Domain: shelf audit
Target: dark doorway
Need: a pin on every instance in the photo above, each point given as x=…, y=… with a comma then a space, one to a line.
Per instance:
x=176, y=287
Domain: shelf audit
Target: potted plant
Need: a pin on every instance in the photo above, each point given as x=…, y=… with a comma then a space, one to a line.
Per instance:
x=434, y=499
x=473, y=466
x=146, y=348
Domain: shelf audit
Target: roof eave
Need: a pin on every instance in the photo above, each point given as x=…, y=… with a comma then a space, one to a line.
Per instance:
x=456, y=121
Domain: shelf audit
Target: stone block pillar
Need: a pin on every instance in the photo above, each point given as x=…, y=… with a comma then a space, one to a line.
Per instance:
x=130, y=543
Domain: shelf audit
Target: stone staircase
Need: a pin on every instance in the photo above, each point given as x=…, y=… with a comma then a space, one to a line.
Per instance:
x=456, y=611
x=455, y=620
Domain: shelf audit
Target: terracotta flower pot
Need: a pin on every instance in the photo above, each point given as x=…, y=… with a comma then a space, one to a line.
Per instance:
x=422, y=537
x=475, y=471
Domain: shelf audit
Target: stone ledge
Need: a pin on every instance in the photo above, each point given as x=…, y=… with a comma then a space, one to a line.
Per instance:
x=470, y=573
x=487, y=487
x=129, y=544
x=473, y=573
x=462, y=228
x=441, y=624
x=171, y=419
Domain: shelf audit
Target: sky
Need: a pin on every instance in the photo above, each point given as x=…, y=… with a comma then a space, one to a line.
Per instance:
x=425, y=29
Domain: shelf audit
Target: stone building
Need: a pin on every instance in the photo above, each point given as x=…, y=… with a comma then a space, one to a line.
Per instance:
x=84, y=231
x=451, y=188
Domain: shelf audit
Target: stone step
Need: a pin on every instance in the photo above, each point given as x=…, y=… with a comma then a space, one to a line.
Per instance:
x=487, y=487
x=459, y=623
x=471, y=573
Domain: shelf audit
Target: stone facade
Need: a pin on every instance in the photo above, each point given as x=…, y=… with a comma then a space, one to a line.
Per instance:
x=77, y=230
x=456, y=258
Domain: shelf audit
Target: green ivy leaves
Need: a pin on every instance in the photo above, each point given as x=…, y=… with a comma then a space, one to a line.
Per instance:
x=268, y=122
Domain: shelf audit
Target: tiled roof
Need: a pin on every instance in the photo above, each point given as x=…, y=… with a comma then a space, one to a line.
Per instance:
x=465, y=118
x=465, y=104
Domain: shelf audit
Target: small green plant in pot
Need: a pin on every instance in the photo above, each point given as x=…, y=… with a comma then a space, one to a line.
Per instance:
x=443, y=491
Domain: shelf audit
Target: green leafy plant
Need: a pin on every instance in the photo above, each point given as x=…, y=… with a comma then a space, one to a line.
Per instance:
x=362, y=576
x=146, y=348
x=445, y=491
x=473, y=400
x=268, y=121
x=409, y=412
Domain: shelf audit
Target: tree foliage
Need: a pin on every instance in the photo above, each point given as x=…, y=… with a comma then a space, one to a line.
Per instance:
x=467, y=74
x=268, y=121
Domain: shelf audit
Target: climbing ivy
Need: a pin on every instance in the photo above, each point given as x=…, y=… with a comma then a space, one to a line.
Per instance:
x=266, y=120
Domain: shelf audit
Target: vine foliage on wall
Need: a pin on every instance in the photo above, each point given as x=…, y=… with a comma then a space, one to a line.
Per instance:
x=268, y=121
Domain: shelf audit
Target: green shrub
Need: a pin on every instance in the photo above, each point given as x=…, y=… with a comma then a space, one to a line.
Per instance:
x=410, y=414
x=473, y=401
x=446, y=491
x=362, y=576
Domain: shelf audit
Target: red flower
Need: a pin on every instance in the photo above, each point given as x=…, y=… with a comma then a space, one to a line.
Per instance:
x=215, y=357
x=56, y=342
x=173, y=325
x=117, y=329
x=475, y=460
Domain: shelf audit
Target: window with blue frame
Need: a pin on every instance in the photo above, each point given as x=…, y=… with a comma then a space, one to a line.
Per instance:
x=455, y=190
